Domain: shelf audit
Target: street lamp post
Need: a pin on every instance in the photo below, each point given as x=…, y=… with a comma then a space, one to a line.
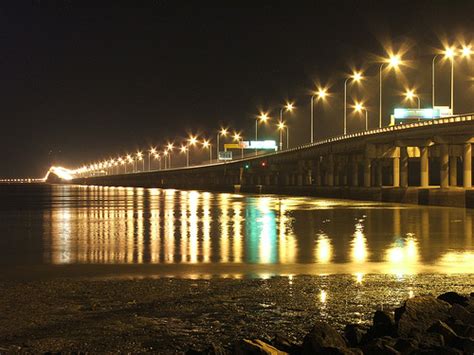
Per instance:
x=449, y=53
x=238, y=138
x=320, y=95
x=207, y=145
x=281, y=126
x=433, y=80
x=263, y=117
x=288, y=108
x=151, y=152
x=223, y=133
x=355, y=77
x=393, y=62
x=358, y=107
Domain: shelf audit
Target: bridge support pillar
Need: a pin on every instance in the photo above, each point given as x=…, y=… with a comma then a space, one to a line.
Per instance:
x=299, y=179
x=317, y=172
x=309, y=177
x=403, y=167
x=378, y=172
x=424, y=167
x=444, y=166
x=267, y=179
x=355, y=172
x=330, y=170
x=367, y=171
x=396, y=172
x=467, y=165
x=453, y=171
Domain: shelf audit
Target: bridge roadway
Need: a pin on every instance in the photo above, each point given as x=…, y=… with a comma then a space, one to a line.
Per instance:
x=427, y=162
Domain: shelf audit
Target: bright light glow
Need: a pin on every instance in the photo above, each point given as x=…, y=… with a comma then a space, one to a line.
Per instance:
x=359, y=107
x=153, y=150
x=237, y=136
x=357, y=76
x=321, y=93
x=263, y=117
x=466, y=51
x=170, y=146
x=206, y=143
x=139, y=155
x=183, y=149
x=192, y=140
x=281, y=125
x=289, y=107
x=410, y=94
x=394, y=61
x=223, y=132
x=449, y=52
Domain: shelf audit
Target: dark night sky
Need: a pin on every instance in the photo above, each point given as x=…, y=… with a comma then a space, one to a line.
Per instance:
x=81, y=81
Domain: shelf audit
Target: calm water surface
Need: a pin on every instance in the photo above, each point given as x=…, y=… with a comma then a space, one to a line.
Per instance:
x=192, y=233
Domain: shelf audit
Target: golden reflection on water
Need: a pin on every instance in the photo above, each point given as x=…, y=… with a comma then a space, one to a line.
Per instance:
x=137, y=226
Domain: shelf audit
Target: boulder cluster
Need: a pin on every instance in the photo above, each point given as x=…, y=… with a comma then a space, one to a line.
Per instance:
x=422, y=325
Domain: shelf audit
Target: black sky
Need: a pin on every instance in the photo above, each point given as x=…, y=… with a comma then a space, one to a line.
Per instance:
x=81, y=81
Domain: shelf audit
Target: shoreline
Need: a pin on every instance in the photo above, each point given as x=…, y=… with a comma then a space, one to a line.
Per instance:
x=169, y=315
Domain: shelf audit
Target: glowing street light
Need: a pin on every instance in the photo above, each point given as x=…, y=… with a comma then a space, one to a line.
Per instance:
x=466, y=51
x=289, y=107
x=130, y=161
x=281, y=127
x=411, y=95
x=222, y=132
x=140, y=158
x=185, y=150
x=206, y=144
x=359, y=107
x=169, y=149
x=157, y=156
x=151, y=152
x=263, y=117
x=321, y=94
x=356, y=77
x=393, y=62
x=167, y=153
x=237, y=137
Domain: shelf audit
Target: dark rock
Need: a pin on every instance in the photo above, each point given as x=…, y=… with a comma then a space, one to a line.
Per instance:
x=442, y=328
x=379, y=346
x=437, y=350
x=462, y=314
x=286, y=345
x=213, y=349
x=322, y=335
x=406, y=345
x=418, y=313
x=430, y=340
x=464, y=344
x=353, y=334
x=255, y=347
x=453, y=298
x=340, y=351
x=383, y=324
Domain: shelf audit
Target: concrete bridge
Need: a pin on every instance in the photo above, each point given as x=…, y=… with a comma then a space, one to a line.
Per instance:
x=428, y=162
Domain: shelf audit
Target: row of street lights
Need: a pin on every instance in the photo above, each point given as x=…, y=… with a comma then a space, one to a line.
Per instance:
x=394, y=61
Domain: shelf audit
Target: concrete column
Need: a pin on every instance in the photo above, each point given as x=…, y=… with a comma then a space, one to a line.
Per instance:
x=267, y=179
x=286, y=181
x=330, y=171
x=337, y=174
x=424, y=167
x=444, y=166
x=396, y=172
x=317, y=172
x=309, y=177
x=378, y=172
x=403, y=167
x=453, y=171
x=299, y=179
x=355, y=172
x=367, y=171
x=467, y=165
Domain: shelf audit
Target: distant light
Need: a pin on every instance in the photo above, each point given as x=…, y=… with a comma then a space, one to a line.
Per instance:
x=237, y=136
x=449, y=52
x=223, y=132
x=322, y=93
x=359, y=107
x=394, y=61
x=466, y=51
x=263, y=117
x=281, y=125
x=192, y=140
x=356, y=76
x=289, y=106
x=410, y=94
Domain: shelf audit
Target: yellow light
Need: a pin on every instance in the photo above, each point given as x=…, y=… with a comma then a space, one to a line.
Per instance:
x=263, y=117
x=322, y=93
x=170, y=146
x=183, y=149
x=410, y=94
x=289, y=106
x=223, y=132
x=449, y=52
x=394, y=61
x=192, y=140
x=281, y=125
x=466, y=51
x=139, y=155
x=357, y=76
x=153, y=150
x=205, y=144
x=237, y=136
x=165, y=153
x=358, y=107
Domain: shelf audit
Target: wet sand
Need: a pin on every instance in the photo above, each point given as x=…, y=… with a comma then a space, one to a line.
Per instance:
x=169, y=315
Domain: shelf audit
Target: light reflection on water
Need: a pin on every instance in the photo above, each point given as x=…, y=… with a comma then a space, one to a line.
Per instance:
x=105, y=225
